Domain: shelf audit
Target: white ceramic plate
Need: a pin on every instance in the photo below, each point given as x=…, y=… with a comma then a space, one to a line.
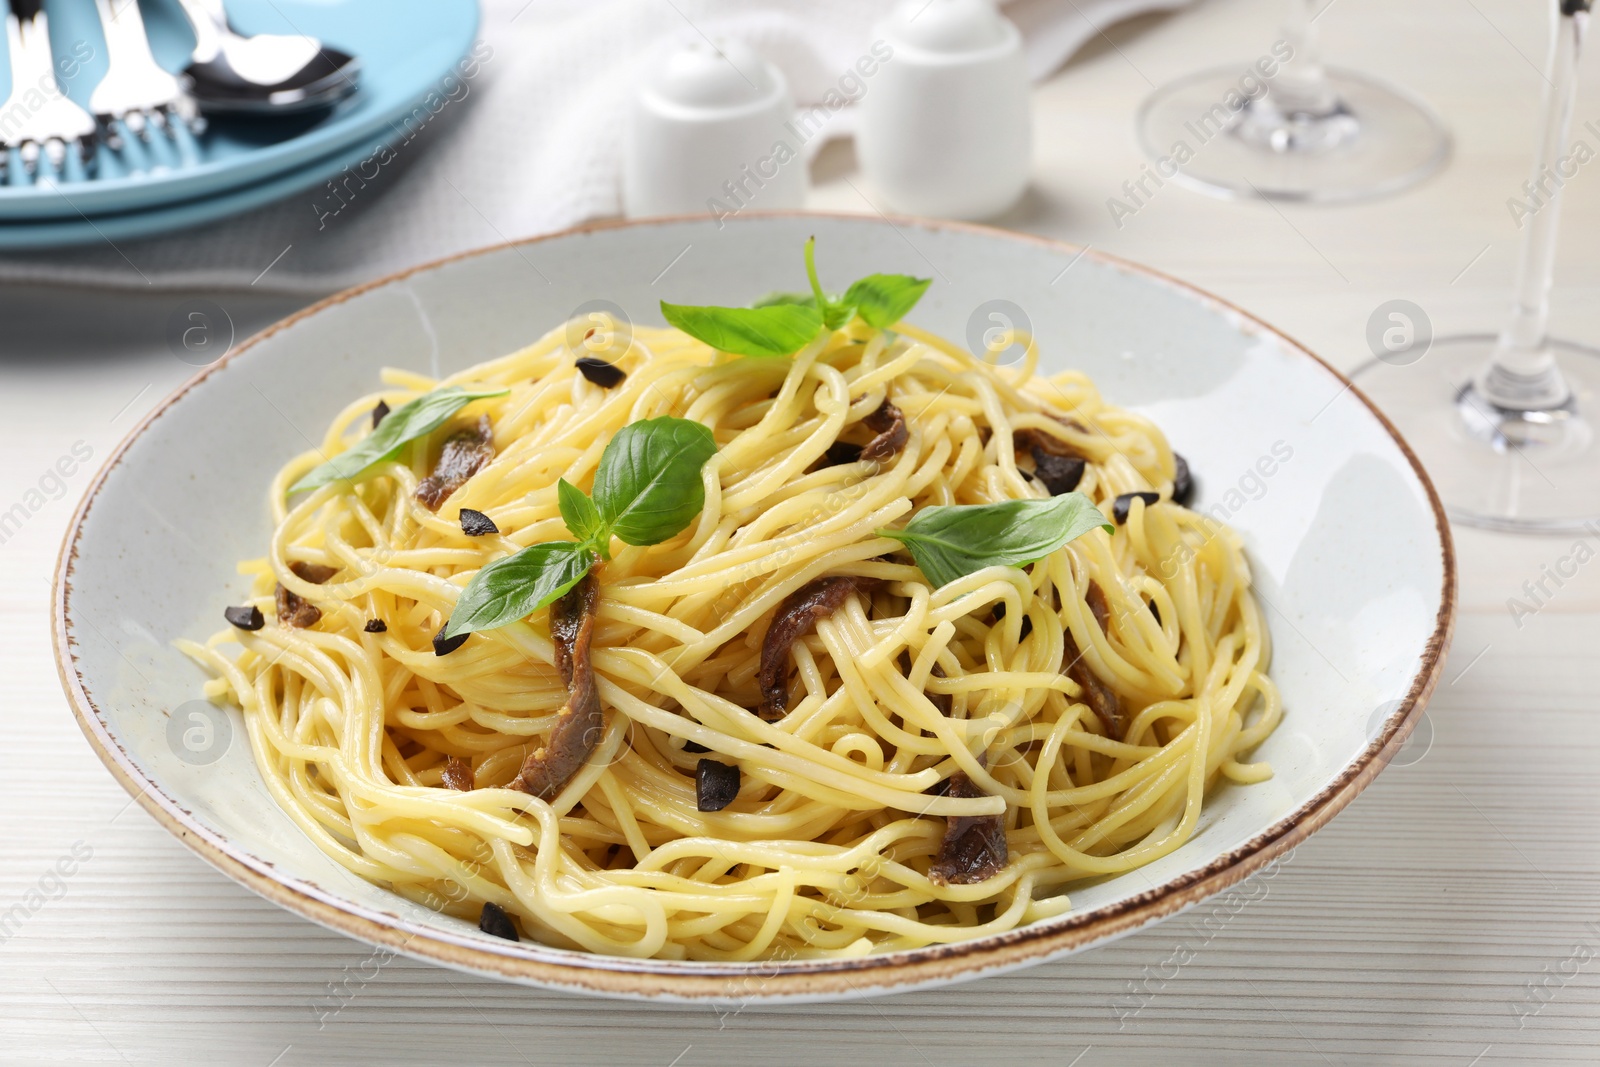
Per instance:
x=1350, y=551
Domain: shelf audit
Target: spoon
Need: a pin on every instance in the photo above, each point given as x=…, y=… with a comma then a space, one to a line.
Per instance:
x=267, y=74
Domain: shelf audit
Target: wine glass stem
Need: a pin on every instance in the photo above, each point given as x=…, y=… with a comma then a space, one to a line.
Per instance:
x=1302, y=86
x=1522, y=375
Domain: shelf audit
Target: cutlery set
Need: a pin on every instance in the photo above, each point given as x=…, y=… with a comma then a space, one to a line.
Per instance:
x=141, y=117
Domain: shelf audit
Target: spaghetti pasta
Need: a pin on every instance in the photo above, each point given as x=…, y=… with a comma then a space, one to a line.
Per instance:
x=364, y=734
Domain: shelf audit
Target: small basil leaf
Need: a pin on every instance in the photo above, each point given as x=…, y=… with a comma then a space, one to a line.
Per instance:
x=835, y=315
x=404, y=424
x=518, y=585
x=773, y=330
x=884, y=299
x=648, y=486
x=579, y=512
x=953, y=542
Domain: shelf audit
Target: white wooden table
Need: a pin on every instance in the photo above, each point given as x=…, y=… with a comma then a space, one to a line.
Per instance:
x=1451, y=916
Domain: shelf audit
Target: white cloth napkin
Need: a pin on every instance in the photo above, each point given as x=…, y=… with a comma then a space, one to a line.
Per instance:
x=530, y=145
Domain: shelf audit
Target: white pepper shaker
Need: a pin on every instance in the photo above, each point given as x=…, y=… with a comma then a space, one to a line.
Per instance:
x=706, y=134
x=946, y=127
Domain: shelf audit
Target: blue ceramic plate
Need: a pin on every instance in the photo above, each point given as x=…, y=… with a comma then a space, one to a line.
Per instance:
x=409, y=49
x=151, y=222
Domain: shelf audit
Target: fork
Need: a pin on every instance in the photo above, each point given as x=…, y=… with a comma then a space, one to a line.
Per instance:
x=38, y=120
x=136, y=93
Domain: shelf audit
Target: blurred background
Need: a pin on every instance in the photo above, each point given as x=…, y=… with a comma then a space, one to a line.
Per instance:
x=147, y=228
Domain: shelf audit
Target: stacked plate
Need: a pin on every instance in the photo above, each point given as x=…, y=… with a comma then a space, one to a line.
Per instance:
x=417, y=57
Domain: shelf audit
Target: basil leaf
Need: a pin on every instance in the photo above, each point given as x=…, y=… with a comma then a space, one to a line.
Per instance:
x=579, y=513
x=648, y=486
x=518, y=585
x=404, y=424
x=836, y=315
x=884, y=299
x=881, y=300
x=805, y=300
x=953, y=542
x=773, y=330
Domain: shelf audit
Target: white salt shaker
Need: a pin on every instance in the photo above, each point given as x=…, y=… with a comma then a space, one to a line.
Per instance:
x=946, y=126
x=706, y=133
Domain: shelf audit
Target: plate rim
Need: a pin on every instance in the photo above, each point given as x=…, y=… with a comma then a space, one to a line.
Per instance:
x=794, y=980
x=27, y=236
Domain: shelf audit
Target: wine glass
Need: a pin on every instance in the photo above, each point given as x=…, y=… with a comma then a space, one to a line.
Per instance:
x=1504, y=427
x=1287, y=128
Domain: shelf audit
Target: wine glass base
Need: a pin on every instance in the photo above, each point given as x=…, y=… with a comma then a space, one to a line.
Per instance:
x=1498, y=470
x=1378, y=141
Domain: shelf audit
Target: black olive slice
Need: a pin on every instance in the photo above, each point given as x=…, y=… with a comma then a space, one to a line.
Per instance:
x=245, y=618
x=605, y=375
x=443, y=646
x=1060, y=474
x=715, y=785
x=1119, y=509
x=476, y=523
x=496, y=923
x=1182, y=481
